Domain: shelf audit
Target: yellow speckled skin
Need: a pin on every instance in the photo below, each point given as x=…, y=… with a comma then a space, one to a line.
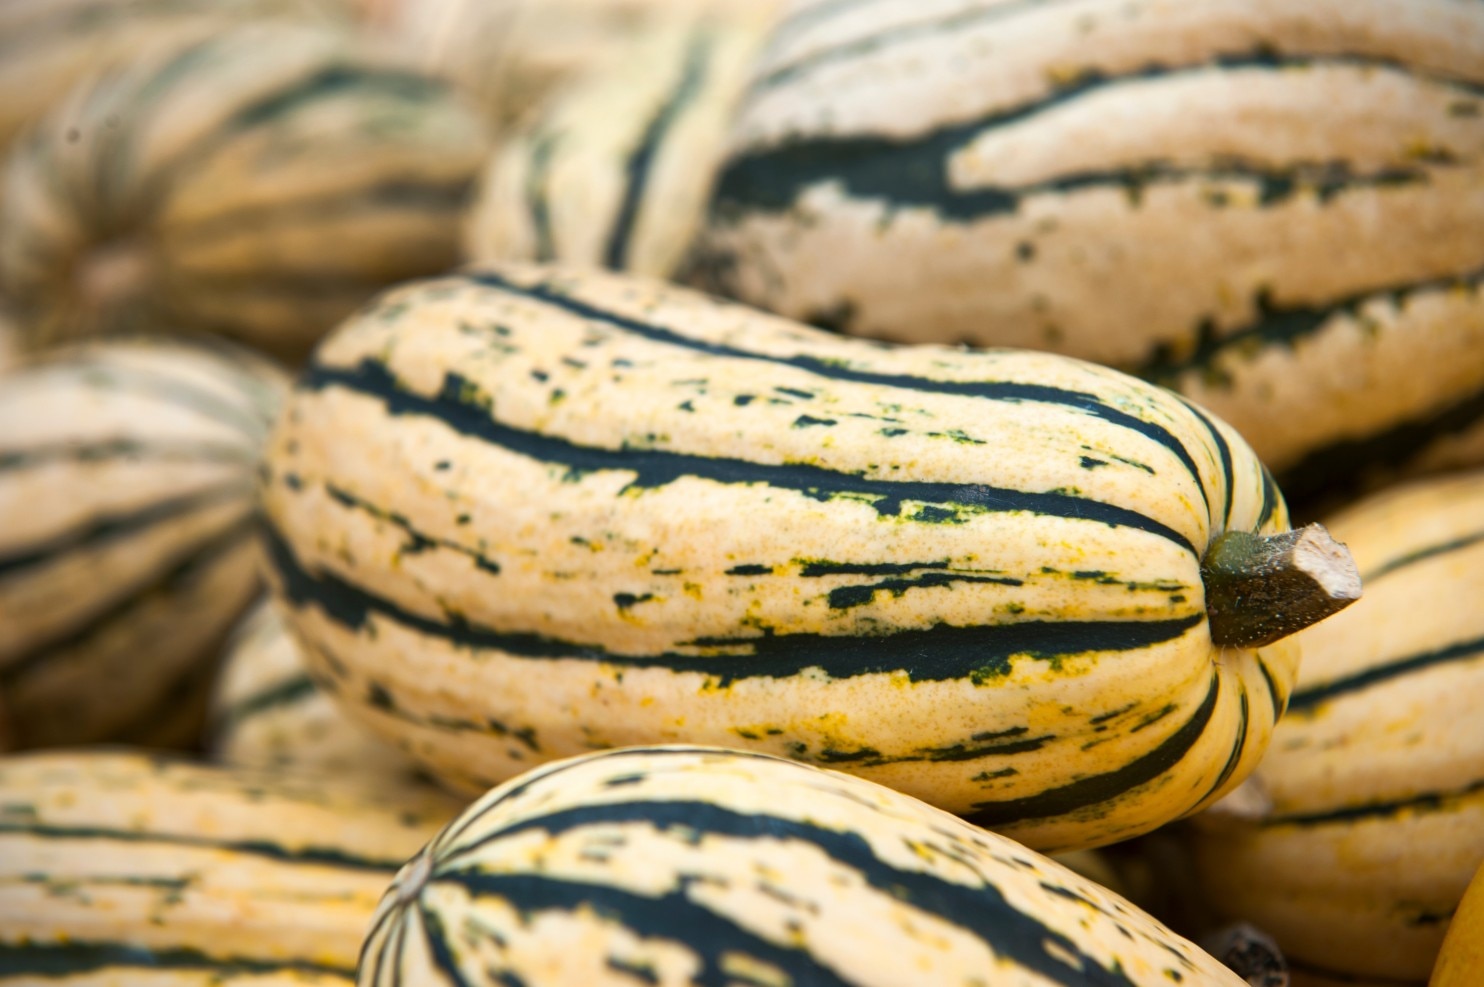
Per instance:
x=701, y=865
x=523, y=513
x=126, y=537
x=1374, y=777
x=1461, y=960
x=121, y=869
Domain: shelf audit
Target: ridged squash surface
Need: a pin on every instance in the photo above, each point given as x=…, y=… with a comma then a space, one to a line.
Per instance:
x=682, y=865
x=521, y=513
x=1270, y=206
x=616, y=172
x=262, y=183
x=1371, y=816
x=117, y=868
x=127, y=546
x=47, y=46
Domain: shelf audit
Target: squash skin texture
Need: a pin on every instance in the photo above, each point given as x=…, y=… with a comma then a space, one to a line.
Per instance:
x=683, y=865
x=122, y=868
x=259, y=184
x=127, y=542
x=522, y=513
x=1267, y=207
x=617, y=170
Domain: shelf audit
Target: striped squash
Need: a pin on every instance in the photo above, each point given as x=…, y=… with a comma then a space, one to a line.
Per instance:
x=267, y=713
x=262, y=183
x=523, y=512
x=1373, y=817
x=687, y=865
x=618, y=170
x=48, y=46
x=116, y=868
x=126, y=537
x=1270, y=206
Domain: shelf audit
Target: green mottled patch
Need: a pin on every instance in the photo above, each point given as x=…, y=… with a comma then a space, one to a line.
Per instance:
x=379, y=698
x=992, y=775
x=990, y=672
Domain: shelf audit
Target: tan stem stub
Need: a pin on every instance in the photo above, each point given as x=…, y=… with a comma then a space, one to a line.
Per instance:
x=1262, y=588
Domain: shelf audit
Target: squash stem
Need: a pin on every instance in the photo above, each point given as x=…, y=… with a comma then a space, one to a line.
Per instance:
x=1261, y=588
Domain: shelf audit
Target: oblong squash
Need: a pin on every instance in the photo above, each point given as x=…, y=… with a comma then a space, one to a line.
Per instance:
x=262, y=183
x=116, y=868
x=521, y=513
x=127, y=545
x=1268, y=206
x=1372, y=820
x=694, y=865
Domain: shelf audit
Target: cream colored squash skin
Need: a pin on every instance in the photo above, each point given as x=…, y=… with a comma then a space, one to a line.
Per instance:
x=685, y=865
x=1269, y=206
x=513, y=56
x=617, y=171
x=121, y=869
x=47, y=46
x=262, y=184
x=522, y=513
x=127, y=546
x=1374, y=814
x=267, y=713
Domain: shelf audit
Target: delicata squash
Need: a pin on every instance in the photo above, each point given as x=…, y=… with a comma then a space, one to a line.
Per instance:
x=520, y=513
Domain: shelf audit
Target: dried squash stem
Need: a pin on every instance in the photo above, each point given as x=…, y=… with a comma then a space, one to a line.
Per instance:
x=1261, y=588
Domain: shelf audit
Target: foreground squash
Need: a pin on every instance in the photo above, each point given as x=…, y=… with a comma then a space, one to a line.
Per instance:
x=262, y=184
x=1370, y=815
x=127, y=548
x=1269, y=206
x=267, y=713
x=675, y=865
x=522, y=513
x=117, y=868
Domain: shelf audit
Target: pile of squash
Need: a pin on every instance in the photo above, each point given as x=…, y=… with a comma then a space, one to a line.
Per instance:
x=769, y=493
